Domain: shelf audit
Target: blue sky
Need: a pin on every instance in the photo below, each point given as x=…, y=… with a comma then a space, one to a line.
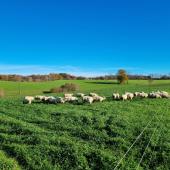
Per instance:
x=84, y=37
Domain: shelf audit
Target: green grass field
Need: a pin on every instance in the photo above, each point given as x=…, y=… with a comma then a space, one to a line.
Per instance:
x=83, y=136
x=102, y=87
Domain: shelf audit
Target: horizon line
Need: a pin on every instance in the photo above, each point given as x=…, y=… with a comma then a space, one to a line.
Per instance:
x=27, y=70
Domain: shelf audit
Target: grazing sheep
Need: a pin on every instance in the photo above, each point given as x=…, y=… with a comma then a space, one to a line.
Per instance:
x=45, y=98
x=154, y=95
x=60, y=100
x=71, y=99
x=94, y=97
x=157, y=95
x=51, y=100
x=38, y=97
x=151, y=95
x=28, y=99
x=99, y=98
x=164, y=94
x=48, y=99
x=93, y=94
x=124, y=97
x=143, y=95
x=88, y=99
x=129, y=95
x=116, y=96
x=80, y=94
x=68, y=95
x=158, y=92
x=137, y=94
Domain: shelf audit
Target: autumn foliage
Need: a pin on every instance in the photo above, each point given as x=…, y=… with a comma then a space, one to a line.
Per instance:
x=122, y=76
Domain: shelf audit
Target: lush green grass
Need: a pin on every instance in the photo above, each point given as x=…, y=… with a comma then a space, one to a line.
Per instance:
x=7, y=163
x=103, y=87
x=71, y=136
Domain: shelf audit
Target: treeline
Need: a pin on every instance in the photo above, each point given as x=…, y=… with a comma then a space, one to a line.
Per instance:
x=133, y=77
x=65, y=76
x=37, y=77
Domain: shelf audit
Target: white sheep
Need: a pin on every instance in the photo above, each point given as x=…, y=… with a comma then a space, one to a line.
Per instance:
x=48, y=99
x=45, y=98
x=93, y=94
x=129, y=95
x=60, y=100
x=99, y=98
x=68, y=95
x=80, y=94
x=71, y=99
x=143, y=95
x=164, y=94
x=116, y=96
x=38, y=97
x=157, y=95
x=151, y=95
x=124, y=97
x=137, y=94
x=88, y=99
x=154, y=95
x=28, y=99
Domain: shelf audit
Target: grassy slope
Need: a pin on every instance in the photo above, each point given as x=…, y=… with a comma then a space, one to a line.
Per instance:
x=68, y=136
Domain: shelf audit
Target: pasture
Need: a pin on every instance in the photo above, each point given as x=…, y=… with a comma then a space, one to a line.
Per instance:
x=83, y=136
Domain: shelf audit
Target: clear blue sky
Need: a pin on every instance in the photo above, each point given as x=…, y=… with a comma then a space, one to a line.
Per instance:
x=84, y=37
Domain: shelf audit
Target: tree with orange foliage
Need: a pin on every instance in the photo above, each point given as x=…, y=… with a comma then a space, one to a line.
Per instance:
x=122, y=76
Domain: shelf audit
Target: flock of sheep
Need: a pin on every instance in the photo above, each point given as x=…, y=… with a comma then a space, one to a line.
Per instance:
x=130, y=96
x=93, y=97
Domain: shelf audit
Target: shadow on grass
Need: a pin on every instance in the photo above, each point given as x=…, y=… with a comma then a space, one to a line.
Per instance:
x=47, y=92
x=20, y=162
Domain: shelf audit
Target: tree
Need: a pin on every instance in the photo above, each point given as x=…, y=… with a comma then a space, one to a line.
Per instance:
x=122, y=76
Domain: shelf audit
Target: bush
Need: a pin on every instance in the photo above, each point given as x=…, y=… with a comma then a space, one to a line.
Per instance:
x=2, y=94
x=68, y=87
